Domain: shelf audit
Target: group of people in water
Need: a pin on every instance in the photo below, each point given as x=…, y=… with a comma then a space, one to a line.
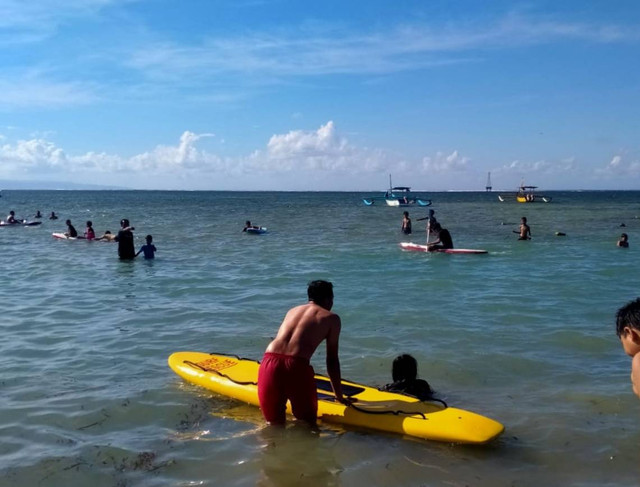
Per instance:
x=443, y=238
x=124, y=237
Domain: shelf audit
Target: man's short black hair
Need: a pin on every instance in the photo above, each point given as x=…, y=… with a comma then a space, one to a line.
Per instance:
x=319, y=291
x=628, y=315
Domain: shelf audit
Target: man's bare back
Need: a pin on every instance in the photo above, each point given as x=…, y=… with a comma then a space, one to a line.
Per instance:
x=285, y=373
x=303, y=329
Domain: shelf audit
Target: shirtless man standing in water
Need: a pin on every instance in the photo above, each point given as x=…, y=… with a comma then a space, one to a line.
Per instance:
x=525, y=231
x=285, y=372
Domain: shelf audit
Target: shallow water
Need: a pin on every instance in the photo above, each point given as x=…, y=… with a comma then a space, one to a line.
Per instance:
x=524, y=335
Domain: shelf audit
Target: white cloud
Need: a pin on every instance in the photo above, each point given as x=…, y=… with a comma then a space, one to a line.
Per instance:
x=36, y=89
x=621, y=165
x=320, y=150
x=397, y=48
x=521, y=168
x=442, y=163
x=31, y=156
x=37, y=155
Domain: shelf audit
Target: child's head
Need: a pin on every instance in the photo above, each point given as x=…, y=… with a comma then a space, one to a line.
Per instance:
x=108, y=232
x=404, y=367
x=406, y=213
x=247, y=223
x=68, y=222
x=624, y=237
x=149, y=239
x=89, y=223
x=628, y=327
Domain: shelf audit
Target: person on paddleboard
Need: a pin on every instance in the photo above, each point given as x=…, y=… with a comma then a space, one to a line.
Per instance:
x=71, y=230
x=126, y=249
x=443, y=240
x=525, y=230
x=11, y=218
x=404, y=373
x=628, y=331
x=406, y=223
x=89, y=232
x=285, y=372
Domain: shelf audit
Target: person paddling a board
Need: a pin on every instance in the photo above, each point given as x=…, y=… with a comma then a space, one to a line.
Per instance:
x=71, y=230
x=11, y=218
x=443, y=240
x=285, y=372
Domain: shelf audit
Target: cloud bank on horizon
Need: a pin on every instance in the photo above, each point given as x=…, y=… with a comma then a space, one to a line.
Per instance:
x=284, y=96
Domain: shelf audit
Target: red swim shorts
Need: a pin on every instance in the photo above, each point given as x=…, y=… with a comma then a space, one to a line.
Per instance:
x=283, y=377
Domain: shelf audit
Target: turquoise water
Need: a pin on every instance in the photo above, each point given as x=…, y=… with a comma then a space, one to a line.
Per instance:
x=524, y=335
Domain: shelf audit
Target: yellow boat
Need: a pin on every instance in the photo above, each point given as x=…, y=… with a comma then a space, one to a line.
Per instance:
x=526, y=194
x=237, y=377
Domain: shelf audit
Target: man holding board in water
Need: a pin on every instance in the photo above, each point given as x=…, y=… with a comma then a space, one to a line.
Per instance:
x=285, y=372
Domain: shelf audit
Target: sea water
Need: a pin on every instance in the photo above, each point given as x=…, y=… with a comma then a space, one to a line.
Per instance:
x=524, y=335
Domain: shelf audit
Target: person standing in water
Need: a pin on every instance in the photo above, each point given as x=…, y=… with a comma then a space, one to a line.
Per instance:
x=431, y=223
x=126, y=249
x=285, y=372
x=624, y=241
x=149, y=250
x=525, y=230
x=406, y=223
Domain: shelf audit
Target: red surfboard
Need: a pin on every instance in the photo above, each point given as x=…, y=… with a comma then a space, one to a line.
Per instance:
x=412, y=247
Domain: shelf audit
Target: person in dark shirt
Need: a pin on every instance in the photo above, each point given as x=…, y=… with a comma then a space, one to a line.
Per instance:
x=624, y=241
x=406, y=223
x=443, y=241
x=71, y=231
x=126, y=248
x=405, y=379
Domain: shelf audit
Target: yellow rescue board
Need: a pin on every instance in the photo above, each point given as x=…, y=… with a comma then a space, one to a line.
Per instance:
x=384, y=411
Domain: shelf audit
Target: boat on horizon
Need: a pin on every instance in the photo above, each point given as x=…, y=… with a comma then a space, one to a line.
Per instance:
x=398, y=196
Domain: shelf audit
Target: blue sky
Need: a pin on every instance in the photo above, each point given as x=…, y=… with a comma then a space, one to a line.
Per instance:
x=293, y=95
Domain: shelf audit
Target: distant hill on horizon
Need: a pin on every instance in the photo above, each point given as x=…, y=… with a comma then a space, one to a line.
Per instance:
x=52, y=185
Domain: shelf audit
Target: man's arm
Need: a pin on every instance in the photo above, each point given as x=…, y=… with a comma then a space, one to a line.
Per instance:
x=635, y=374
x=333, y=362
